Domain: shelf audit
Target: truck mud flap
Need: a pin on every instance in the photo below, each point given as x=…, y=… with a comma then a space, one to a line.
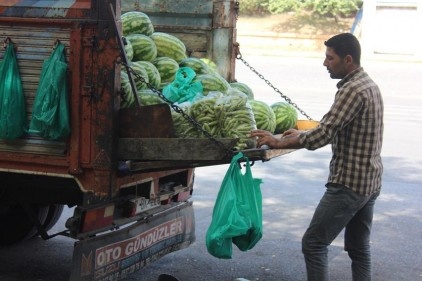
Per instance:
x=116, y=255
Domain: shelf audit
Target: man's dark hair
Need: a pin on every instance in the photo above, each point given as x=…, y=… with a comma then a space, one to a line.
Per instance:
x=345, y=44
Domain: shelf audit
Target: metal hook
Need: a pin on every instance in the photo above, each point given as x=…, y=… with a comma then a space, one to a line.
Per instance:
x=236, y=50
x=7, y=41
x=245, y=159
x=56, y=43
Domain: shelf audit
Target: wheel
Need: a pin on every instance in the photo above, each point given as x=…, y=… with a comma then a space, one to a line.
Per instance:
x=53, y=215
x=16, y=225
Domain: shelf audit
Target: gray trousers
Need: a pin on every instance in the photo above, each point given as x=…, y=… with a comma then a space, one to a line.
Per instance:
x=340, y=208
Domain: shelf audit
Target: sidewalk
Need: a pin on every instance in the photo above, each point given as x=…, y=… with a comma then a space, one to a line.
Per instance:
x=259, y=39
x=279, y=45
x=289, y=46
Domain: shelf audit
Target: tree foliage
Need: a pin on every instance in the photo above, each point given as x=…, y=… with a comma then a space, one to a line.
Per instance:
x=334, y=8
x=253, y=7
x=330, y=8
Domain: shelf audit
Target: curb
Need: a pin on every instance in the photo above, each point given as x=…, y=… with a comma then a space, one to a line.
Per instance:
x=299, y=46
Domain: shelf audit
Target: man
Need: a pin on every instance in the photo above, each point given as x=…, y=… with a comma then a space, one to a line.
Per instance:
x=354, y=128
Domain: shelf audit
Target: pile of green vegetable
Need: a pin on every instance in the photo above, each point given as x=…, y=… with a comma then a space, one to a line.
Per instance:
x=222, y=116
x=223, y=109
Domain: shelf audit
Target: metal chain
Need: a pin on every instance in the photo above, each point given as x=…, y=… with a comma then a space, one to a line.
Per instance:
x=239, y=57
x=179, y=110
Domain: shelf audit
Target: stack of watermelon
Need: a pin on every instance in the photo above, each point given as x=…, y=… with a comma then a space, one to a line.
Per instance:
x=157, y=56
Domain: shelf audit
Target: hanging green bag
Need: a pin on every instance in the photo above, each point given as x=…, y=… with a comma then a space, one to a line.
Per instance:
x=237, y=213
x=50, y=113
x=249, y=201
x=13, y=120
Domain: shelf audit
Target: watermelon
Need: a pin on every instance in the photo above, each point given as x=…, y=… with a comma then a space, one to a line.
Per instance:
x=244, y=88
x=144, y=48
x=136, y=22
x=129, y=50
x=212, y=82
x=154, y=77
x=127, y=97
x=199, y=66
x=169, y=46
x=233, y=92
x=141, y=71
x=264, y=115
x=285, y=115
x=149, y=97
x=212, y=66
x=167, y=67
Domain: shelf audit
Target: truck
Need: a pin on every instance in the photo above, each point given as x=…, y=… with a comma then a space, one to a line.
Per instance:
x=127, y=178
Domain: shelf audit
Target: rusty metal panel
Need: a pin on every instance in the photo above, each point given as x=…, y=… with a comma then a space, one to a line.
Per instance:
x=46, y=9
x=152, y=121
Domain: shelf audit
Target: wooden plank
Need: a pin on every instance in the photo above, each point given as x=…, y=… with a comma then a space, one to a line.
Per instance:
x=256, y=154
x=265, y=154
x=173, y=149
x=143, y=166
x=35, y=146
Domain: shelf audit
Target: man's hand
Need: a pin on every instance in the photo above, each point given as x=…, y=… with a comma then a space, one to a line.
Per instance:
x=265, y=138
x=289, y=139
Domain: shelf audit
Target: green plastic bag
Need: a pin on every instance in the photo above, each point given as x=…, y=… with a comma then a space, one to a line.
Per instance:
x=50, y=113
x=237, y=213
x=182, y=89
x=13, y=120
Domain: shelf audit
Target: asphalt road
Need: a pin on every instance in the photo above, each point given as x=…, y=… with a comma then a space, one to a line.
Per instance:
x=292, y=186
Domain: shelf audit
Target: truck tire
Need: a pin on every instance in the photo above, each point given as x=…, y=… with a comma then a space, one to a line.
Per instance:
x=16, y=225
x=53, y=215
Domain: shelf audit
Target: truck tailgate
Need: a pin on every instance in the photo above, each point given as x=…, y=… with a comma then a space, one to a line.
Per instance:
x=147, y=146
x=257, y=154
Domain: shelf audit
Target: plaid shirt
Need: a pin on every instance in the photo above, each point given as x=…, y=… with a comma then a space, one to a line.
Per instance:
x=354, y=127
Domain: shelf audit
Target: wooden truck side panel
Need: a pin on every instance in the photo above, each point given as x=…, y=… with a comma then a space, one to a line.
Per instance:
x=89, y=169
x=85, y=27
x=92, y=99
